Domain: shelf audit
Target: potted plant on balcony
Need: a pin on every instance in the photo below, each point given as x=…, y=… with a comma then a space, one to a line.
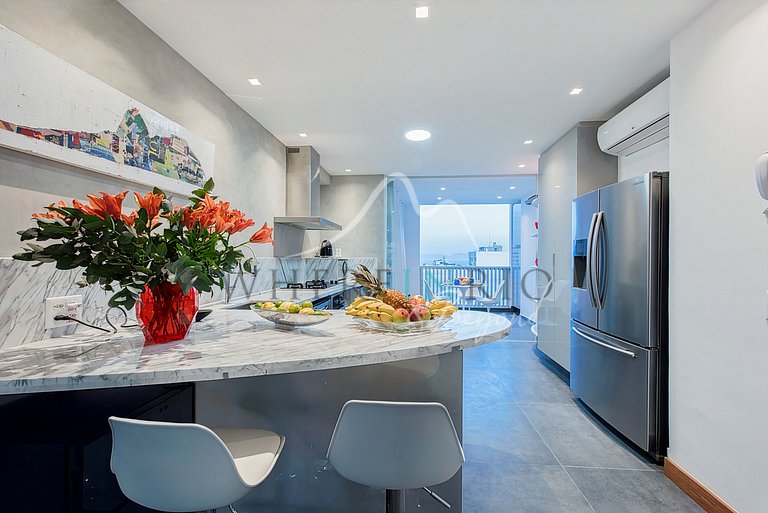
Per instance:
x=158, y=257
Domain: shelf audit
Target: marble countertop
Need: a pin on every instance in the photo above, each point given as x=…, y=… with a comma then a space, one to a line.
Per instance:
x=230, y=343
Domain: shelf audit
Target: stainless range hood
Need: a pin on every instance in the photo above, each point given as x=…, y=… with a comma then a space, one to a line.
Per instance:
x=302, y=198
x=308, y=223
x=302, y=191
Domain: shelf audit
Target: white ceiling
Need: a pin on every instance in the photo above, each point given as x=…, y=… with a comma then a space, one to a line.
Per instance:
x=481, y=75
x=474, y=190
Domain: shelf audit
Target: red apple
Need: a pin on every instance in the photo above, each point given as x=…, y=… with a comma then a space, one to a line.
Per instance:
x=400, y=315
x=417, y=300
x=420, y=313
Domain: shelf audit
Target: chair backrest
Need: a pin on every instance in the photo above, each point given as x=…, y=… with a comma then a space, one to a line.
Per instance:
x=395, y=445
x=173, y=466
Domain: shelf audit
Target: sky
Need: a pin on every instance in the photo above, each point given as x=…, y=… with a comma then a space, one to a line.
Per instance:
x=451, y=229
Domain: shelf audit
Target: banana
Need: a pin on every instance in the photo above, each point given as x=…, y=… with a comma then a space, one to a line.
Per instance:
x=385, y=317
x=367, y=304
x=383, y=307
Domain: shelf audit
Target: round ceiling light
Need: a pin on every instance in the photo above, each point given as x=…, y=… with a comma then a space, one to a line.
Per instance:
x=417, y=135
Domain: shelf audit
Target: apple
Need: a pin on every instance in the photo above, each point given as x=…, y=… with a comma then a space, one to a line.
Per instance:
x=400, y=315
x=418, y=300
x=420, y=313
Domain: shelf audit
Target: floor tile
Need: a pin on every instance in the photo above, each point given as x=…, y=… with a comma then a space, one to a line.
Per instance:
x=500, y=432
x=579, y=440
x=628, y=491
x=538, y=386
x=514, y=488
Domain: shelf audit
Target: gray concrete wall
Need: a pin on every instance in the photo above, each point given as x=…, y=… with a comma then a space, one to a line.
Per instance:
x=359, y=205
x=105, y=40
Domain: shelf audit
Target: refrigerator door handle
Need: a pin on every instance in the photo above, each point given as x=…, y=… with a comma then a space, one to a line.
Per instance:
x=590, y=238
x=600, y=260
x=592, y=268
x=601, y=343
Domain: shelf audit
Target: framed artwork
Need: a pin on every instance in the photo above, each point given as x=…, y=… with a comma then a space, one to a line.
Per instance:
x=52, y=109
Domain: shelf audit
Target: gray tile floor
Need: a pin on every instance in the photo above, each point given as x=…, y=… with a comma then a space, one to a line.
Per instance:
x=531, y=448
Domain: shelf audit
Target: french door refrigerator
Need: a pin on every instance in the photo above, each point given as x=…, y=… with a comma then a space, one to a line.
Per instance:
x=619, y=307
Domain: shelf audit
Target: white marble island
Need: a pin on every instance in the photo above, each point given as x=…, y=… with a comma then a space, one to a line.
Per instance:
x=236, y=370
x=230, y=343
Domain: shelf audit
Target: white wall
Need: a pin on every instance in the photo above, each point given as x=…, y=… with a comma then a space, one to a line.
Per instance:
x=105, y=40
x=359, y=205
x=653, y=158
x=719, y=252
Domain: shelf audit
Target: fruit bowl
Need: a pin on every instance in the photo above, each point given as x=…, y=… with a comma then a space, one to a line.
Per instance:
x=290, y=321
x=403, y=328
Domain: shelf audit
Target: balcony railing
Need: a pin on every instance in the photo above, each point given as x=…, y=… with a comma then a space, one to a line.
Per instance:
x=436, y=279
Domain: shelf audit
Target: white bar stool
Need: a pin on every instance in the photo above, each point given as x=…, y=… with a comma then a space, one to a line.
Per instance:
x=396, y=446
x=180, y=467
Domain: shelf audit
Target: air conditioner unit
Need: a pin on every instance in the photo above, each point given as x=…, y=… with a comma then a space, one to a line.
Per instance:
x=643, y=123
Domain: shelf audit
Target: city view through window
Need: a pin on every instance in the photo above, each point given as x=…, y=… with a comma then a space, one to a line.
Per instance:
x=474, y=235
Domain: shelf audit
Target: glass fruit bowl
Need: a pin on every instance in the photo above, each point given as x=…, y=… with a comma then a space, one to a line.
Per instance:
x=290, y=321
x=403, y=328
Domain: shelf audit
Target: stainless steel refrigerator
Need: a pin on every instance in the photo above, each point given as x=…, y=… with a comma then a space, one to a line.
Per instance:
x=619, y=321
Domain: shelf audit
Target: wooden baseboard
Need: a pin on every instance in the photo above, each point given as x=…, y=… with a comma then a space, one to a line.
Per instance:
x=703, y=496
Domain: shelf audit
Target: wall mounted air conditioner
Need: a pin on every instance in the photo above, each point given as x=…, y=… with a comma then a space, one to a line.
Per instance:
x=643, y=123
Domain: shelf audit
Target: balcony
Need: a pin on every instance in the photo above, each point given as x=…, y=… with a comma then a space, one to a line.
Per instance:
x=437, y=280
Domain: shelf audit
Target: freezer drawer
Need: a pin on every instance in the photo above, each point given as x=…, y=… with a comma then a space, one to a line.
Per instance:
x=618, y=381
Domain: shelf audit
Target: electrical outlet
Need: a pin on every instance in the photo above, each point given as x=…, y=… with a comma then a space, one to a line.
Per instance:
x=71, y=306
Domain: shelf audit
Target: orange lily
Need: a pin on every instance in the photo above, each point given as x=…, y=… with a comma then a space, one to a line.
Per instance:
x=239, y=221
x=150, y=203
x=50, y=214
x=107, y=205
x=263, y=235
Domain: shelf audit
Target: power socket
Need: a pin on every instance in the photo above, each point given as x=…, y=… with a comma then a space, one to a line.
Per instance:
x=71, y=306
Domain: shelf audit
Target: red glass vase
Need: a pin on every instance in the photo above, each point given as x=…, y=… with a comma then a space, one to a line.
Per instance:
x=165, y=313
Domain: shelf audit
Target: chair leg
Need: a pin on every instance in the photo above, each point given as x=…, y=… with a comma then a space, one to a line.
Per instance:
x=395, y=501
x=231, y=508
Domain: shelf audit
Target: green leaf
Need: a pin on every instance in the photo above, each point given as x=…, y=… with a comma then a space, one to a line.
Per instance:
x=208, y=187
x=29, y=233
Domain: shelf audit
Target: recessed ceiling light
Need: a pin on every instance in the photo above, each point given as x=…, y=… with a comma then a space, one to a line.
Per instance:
x=418, y=135
x=303, y=134
x=348, y=170
x=576, y=90
x=498, y=197
x=422, y=11
x=512, y=188
x=442, y=188
x=528, y=141
x=557, y=186
x=439, y=198
x=254, y=81
x=521, y=165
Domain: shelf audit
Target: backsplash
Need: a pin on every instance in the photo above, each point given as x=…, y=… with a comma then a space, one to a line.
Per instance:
x=23, y=290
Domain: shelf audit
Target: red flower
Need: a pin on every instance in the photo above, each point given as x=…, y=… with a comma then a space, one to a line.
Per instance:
x=263, y=235
x=107, y=205
x=151, y=203
x=208, y=214
x=51, y=214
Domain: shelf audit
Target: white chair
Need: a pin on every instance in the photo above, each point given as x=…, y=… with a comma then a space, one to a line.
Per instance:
x=188, y=467
x=430, y=292
x=396, y=446
x=488, y=302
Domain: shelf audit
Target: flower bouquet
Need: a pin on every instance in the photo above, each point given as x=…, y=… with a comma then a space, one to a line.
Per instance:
x=157, y=257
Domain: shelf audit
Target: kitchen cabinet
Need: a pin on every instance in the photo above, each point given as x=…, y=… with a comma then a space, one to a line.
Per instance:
x=572, y=166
